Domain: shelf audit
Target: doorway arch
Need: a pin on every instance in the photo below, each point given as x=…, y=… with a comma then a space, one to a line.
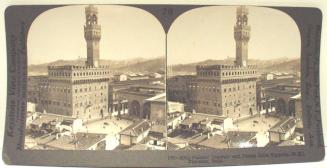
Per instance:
x=281, y=106
x=135, y=108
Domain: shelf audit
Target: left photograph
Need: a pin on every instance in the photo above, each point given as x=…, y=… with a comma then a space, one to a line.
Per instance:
x=96, y=80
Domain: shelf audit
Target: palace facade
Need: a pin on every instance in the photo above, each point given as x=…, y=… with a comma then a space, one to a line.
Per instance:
x=224, y=90
x=79, y=91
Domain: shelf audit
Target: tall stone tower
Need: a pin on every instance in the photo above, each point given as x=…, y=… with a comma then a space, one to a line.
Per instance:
x=242, y=36
x=92, y=34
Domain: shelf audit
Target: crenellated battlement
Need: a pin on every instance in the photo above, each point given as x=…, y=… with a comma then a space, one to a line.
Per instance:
x=224, y=67
x=76, y=67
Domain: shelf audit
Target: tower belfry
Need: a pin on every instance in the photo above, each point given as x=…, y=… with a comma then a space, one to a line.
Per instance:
x=92, y=35
x=241, y=36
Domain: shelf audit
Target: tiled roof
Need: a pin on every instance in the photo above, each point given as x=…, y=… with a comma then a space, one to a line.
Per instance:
x=46, y=118
x=137, y=128
x=284, y=125
x=81, y=141
x=237, y=136
x=158, y=128
x=216, y=141
x=200, y=117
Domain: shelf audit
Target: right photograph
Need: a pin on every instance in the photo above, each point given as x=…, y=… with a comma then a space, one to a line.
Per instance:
x=233, y=79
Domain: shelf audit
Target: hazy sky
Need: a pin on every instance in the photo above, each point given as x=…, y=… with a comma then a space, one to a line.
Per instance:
x=208, y=33
x=127, y=32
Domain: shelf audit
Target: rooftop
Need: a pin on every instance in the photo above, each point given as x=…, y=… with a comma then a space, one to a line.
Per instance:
x=158, y=128
x=238, y=136
x=79, y=141
x=139, y=147
x=216, y=142
x=173, y=115
x=147, y=90
x=49, y=117
x=201, y=117
x=297, y=97
x=284, y=125
x=137, y=128
x=158, y=98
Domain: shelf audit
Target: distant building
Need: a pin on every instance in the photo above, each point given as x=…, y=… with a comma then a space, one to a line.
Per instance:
x=137, y=76
x=267, y=76
x=120, y=77
x=283, y=76
x=155, y=75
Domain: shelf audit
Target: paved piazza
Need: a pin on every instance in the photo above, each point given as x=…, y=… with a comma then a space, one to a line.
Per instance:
x=110, y=126
x=259, y=123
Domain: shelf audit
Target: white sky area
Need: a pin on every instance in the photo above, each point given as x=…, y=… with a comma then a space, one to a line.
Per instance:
x=208, y=33
x=127, y=33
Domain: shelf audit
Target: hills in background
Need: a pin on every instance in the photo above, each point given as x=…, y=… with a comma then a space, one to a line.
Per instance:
x=130, y=65
x=156, y=64
x=273, y=65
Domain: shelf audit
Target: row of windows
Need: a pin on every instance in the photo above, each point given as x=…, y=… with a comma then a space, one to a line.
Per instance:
x=237, y=88
x=90, y=89
x=88, y=103
x=215, y=73
x=62, y=73
x=215, y=104
x=117, y=108
x=90, y=116
x=89, y=95
x=91, y=73
x=55, y=89
x=214, y=89
x=203, y=89
x=206, y=103
x=55, y=103
x=233, y=96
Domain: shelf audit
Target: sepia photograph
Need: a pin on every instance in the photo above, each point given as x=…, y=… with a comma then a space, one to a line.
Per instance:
x=233, y=79
x=171, y=84
x=96, y=80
